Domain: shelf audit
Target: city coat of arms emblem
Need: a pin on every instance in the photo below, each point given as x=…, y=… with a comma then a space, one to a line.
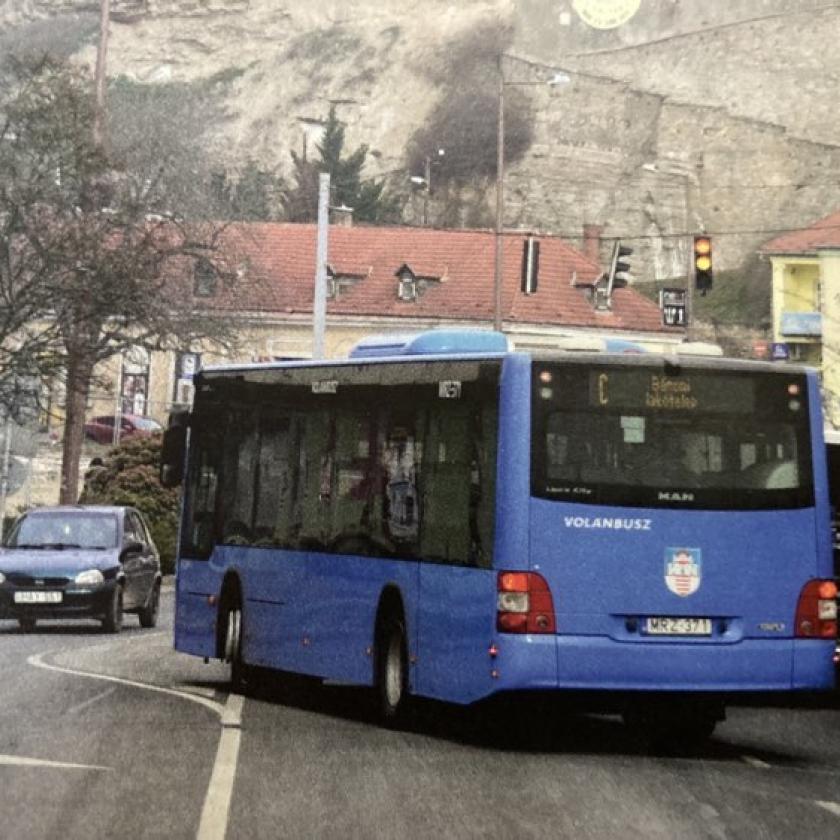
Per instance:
x=683, y=570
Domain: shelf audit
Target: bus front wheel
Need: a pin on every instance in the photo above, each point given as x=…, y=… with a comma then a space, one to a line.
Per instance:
x=391, y=672
x=233, y=648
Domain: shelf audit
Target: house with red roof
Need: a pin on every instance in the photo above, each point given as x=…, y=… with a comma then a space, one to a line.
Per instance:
x=402, y=279
x=806, y=301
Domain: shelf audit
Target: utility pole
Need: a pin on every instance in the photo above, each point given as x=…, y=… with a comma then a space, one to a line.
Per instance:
x=4, y=475
x=428, y=176
x=319, y=305
x=99, y=73
x=500, y=204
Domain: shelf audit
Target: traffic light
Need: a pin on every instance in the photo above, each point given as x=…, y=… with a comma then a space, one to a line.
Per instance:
x=702, y=264
x=619, y=267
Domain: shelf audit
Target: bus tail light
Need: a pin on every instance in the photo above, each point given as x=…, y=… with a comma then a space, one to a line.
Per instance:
x=816, y=612
x=524, y=604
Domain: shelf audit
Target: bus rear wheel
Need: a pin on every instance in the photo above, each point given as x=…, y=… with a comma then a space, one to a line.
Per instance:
x=391, y=672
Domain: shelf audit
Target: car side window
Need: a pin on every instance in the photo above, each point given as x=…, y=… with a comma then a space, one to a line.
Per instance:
x=133, y=528
x=143, y=527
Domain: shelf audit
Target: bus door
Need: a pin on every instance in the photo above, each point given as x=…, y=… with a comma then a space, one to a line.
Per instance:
x=456, y=616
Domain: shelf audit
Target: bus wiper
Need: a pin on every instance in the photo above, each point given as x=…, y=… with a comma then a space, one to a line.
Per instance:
x=60, y=546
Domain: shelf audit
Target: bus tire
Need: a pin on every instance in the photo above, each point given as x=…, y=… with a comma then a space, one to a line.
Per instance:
x=233, y=647
x=392, y=671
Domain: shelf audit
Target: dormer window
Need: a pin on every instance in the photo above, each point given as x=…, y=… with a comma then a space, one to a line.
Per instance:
x=406, y=284
x=205, y=278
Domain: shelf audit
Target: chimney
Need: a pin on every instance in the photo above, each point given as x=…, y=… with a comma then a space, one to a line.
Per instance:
x=341, y=216
x=592, y=242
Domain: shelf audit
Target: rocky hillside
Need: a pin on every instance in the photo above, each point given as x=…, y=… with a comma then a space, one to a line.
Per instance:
x=693, y=115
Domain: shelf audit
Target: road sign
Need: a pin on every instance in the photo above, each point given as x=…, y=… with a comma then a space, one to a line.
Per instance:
x=779, y=351
x=672, y=304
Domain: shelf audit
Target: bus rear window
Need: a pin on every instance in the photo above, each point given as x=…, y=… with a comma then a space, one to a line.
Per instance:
x=643, y=436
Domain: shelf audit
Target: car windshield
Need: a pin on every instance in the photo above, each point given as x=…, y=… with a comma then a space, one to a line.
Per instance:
x=59, y=530
x=146, y=424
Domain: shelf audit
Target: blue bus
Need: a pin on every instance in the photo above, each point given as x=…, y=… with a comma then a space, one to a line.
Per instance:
x=439, y=516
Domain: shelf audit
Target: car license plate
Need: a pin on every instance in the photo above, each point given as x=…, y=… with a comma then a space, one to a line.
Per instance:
x=678, y=626
x=38, y=597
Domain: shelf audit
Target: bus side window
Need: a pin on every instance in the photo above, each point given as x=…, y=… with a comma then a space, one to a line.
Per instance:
x=483, y=484
x=276, y=478
x=316, y=485
x=445, y=485
x=201, y=514
x=239, y=479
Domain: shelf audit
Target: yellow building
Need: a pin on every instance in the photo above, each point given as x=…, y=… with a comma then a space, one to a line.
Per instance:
x=806, y=302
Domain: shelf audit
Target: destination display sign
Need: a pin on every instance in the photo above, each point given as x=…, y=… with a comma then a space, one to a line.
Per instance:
x=657, y=391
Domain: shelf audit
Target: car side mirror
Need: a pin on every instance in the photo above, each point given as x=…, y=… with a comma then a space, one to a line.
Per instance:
x=131, y=549
x=174, y=450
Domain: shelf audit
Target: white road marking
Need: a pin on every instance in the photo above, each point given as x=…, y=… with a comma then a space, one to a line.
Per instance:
x=90, y=701
x=20, y=761
x=216, y=810
x=831, y=807
x=38, y=662
x=755, y=762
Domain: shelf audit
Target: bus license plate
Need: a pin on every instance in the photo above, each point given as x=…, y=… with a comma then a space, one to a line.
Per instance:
x=678, y=626
x=38, y=597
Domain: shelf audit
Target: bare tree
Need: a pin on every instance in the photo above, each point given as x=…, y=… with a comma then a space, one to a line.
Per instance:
x=94, y=265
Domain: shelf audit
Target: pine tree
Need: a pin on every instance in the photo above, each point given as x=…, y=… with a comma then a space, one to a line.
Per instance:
x=368, y=199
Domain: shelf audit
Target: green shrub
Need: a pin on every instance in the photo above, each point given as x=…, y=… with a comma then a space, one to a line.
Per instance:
x=129, y=476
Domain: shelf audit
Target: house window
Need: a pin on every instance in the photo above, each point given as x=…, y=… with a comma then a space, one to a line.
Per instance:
x=407, y=289
x=205, y=277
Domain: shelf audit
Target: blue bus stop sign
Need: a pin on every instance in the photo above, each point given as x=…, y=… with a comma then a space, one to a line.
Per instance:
x=779, y=351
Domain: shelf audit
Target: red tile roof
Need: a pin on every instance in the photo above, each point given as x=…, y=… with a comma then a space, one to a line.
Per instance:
x=823, y=234
x=279, y=263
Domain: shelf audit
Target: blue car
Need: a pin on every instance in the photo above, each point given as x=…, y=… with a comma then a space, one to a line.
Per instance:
x=83, y=561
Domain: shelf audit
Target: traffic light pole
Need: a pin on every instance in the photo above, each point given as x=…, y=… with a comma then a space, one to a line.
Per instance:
x=689, y=294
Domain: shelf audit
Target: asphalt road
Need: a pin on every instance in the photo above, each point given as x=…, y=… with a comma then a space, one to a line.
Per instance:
x=119, y=736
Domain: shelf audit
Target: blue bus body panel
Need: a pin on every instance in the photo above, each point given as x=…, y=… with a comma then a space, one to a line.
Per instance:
x=344, y=593
x=596, y=663
x=304, y=612
x=514, y=465
x=456, y=627
x=195, y=618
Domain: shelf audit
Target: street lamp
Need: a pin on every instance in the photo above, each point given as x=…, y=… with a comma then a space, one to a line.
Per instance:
x=425, y=183
x=559, y=78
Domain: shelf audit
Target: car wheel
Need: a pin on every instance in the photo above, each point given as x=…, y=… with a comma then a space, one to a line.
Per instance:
x=27, y=624
x=112, y=622
x=391, y=672
x=149, y=614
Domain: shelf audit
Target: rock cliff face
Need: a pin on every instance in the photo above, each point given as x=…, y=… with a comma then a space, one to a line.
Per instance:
x=693, y=115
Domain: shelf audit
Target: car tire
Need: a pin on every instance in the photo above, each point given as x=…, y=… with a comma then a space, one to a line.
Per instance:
x=148, y=615
x=27, y=624
x=391, y=672
x=113, y=619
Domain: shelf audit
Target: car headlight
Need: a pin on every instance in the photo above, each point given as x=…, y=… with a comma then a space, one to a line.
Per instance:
x=2, y=577
x=90, y=577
